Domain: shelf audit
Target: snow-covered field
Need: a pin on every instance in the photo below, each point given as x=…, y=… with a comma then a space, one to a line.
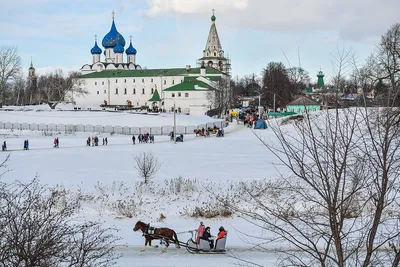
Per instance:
x=41, y=114
x=109, y=170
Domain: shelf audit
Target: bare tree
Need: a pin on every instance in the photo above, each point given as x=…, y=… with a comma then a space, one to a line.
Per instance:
x=56, y=88
x=39, y=227
x=147, y=165
x=384, y=67
x=221, y=98
x=18, y=90
x=276, y=81
x=10, y=68
x=337, y=203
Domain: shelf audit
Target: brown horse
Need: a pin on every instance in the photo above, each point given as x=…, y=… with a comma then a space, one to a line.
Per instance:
x=165, y=234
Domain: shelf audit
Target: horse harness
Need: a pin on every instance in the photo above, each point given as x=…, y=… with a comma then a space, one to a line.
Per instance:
x=149, y=230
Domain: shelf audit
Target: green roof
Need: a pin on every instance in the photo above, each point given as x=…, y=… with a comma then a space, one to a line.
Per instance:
x=189, y=86
x=147, y=73
x=194, y=78
x=155, y=97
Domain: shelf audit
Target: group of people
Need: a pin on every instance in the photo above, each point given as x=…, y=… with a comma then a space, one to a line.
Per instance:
x=179, y=138
x=95, y=141
x=206, y=132
x=56, y=142
x=143, y=138
x=250, y=121
x=205, y=234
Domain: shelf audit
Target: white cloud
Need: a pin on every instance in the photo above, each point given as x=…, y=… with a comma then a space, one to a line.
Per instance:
x=354, y=20
x=159, y=7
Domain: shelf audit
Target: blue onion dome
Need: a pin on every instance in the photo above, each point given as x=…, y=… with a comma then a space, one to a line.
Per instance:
x=119, y=48
x=96, y=49
x=131, y=50
x=113, y=38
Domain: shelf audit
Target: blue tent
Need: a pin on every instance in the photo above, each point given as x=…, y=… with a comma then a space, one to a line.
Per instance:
x=260, y=124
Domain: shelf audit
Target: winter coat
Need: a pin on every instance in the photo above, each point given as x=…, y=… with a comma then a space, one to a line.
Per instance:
x=206, y=235
x=221, y=234
x=200, y=230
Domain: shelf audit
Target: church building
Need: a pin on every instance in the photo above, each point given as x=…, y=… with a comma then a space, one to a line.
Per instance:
x=117, y=79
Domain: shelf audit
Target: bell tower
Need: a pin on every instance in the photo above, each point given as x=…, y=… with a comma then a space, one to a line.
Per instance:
x=320, y=82
x=213, y=54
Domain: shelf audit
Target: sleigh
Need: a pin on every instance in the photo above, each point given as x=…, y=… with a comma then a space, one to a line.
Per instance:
x=204, y=246
x=168, y=236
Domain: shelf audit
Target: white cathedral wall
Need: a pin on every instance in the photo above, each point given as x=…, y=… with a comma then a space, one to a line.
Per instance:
x=99, y=90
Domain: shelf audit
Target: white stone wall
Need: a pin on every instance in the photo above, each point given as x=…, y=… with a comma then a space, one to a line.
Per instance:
x=185, y=102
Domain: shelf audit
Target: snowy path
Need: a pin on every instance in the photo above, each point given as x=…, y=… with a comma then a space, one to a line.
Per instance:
x=180, y=257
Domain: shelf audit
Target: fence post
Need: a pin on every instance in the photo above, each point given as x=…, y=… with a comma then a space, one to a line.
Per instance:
x=150, y=130
x=185, y=129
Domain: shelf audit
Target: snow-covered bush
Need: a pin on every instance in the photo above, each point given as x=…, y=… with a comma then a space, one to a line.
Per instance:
x=39, y=227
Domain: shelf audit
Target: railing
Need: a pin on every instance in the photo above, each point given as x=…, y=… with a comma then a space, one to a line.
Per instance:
x=155, y=130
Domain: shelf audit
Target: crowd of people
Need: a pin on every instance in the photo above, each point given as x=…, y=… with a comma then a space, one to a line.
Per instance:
x=95, y=141
x=205, y=234
x=250, y=120
x=219, y=132
x=143, y=138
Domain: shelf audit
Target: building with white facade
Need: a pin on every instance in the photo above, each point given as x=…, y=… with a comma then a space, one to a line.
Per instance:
x=116, y=79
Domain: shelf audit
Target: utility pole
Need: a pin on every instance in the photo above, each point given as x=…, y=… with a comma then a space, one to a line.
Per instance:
x=274, y=102
x=174, y=124
x=108, y=92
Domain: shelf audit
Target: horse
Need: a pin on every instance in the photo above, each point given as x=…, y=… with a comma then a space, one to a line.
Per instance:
x=165, y=234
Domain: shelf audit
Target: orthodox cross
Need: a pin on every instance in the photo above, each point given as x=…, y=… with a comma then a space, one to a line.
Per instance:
x=95, y=37
x=130, y=37
x=213, y=10
x=113, y=13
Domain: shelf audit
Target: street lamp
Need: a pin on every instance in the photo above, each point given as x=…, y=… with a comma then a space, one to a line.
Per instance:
x=174, y=120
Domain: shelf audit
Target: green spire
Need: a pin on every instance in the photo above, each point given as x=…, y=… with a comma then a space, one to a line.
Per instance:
x=155, y=97
x=320, y=82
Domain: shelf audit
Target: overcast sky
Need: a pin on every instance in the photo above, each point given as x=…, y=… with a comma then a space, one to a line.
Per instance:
x=173, y=33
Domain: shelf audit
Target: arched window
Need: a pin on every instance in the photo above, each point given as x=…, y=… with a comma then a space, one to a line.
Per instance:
x=125, y=91
x=116, y=91
x=152, y=91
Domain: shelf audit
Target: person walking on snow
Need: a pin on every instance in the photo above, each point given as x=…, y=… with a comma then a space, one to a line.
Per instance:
x=133, y=139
